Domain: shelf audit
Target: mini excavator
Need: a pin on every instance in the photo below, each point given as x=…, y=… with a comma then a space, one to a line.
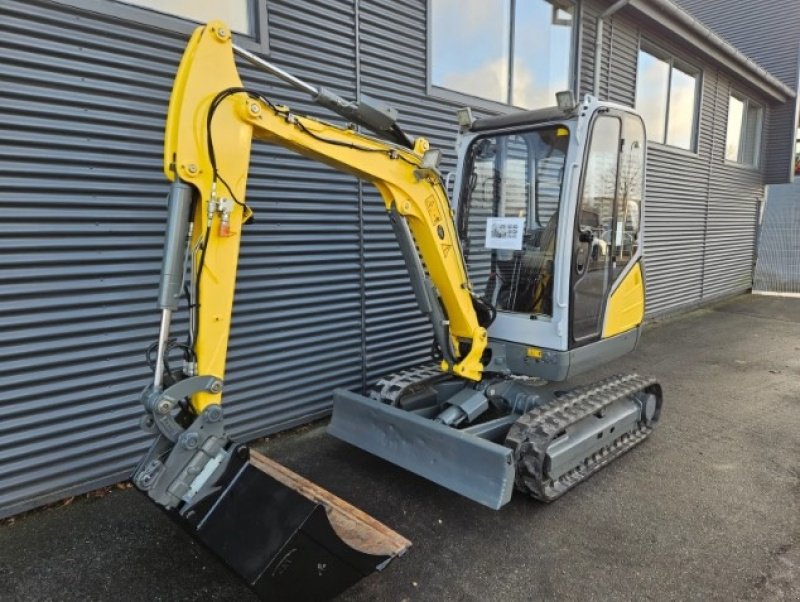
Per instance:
x=531, y=277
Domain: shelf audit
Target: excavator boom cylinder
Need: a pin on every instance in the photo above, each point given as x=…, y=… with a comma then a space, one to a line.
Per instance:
x=368, y=113
x=173, y=264
x=179, y=206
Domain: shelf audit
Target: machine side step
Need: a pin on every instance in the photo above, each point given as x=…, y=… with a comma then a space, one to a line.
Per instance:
x=288, y=538
x=467, y=464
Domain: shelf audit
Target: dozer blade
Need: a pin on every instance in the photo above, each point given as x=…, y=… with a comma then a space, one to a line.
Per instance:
x=469, y=465
x=288, y=538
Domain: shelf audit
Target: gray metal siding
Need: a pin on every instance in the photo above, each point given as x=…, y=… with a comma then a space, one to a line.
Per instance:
x=623, y=47
x=675, y=217
x=767, y=32
x=321, y=300
x=701, y=214
x=588, y=26
x=734, y=205
x=778, y=265
x=393, y=55
x=82, y=251
x=81, y=139
x=780, y=134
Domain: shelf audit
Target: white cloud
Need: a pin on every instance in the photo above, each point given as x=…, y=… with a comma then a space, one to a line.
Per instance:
x=526, y=91
x=471, y=18
x=487, y=80
x=651, y=95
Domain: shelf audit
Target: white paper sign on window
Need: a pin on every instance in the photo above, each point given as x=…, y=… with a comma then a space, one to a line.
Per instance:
x=505, y=233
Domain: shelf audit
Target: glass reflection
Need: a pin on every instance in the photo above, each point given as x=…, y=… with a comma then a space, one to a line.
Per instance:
x=235, y=14
x=542, y=44
x=652, y=85
x=734, y=133
x=470, y=46
x=471, y=49
x=682, y=96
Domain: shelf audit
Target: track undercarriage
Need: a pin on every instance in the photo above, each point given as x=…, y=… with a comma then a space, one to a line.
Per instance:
x=485, y=439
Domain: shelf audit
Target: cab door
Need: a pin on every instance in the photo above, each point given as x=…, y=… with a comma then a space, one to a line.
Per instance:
x=606, y=234
x=591, y=251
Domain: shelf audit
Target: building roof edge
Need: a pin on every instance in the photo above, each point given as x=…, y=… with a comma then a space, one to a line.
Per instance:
x=674, y=18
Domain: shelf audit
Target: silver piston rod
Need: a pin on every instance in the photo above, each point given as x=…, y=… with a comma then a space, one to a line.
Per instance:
x=163, y=335
x=369, y=113
x=290, y=79
x=179, y=206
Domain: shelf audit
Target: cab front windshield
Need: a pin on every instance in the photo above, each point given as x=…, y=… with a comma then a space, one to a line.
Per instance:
x=508, y=215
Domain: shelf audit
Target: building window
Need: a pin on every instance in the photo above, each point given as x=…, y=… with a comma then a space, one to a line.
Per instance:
x=238, y=14
x=666, y=98
x=516, y=52
x=246, y=18
x=743, y=138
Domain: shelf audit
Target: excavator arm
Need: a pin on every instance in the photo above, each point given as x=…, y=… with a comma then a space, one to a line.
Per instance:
x=211, y=123
x=216, y=488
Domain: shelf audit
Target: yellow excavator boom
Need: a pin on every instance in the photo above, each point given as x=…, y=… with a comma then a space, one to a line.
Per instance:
x=216, y=164
x=286, y=537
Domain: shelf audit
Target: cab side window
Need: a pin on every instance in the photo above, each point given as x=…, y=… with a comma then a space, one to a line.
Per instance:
x=624, y=239
x=594, y=224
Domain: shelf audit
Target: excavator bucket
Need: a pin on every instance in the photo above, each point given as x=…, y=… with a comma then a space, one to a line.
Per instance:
x=288, y=538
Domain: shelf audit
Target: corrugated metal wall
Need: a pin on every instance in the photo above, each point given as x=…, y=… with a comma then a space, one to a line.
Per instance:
x=622, y=46
x=735, y=195
x=392, y=38
x=766, y=31
x=778, y=265
x=321, y=301
x=83, y=109
x=701, y=214
x=80, y=180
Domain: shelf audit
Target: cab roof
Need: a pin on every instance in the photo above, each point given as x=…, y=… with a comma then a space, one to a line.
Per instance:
x=522, y=118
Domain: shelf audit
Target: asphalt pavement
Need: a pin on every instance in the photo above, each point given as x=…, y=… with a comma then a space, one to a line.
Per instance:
x=708, y=508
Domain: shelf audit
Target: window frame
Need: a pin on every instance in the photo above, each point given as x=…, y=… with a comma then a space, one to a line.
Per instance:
x=464, y=98
x=140, y=15
x=463, y=208
x=689, y=69
x=627, y=118
x=748, y=102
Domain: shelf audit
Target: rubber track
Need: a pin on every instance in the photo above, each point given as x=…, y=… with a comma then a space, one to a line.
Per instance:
x=532, y=434
x=393, y=387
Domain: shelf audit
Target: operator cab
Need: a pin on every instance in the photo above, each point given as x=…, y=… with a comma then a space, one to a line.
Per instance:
x=549, y=210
